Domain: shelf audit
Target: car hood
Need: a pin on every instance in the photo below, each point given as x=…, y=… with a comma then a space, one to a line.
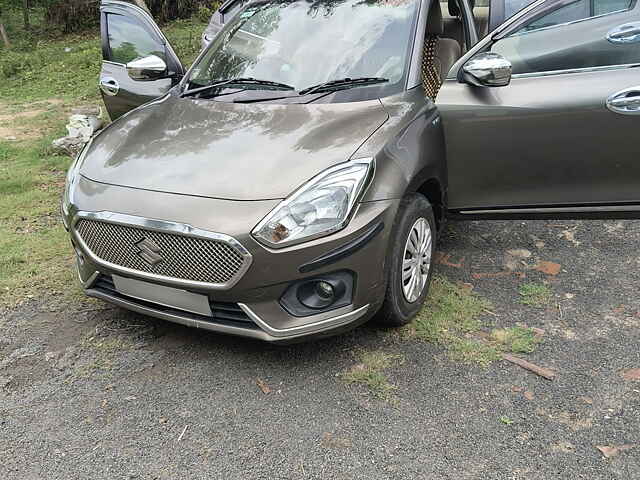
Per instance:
x=226, y=150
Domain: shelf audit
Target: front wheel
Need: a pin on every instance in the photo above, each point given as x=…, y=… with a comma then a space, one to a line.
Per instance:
x=409, y=268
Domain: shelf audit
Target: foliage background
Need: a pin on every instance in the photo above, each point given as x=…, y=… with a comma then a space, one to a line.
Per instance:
x=45, y=60
x=55, y=17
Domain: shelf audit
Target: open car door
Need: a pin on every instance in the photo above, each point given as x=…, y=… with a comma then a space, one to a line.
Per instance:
x=541, y=116
x=138, y=62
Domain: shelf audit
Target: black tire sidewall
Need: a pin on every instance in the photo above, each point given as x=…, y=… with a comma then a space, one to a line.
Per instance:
x=396, y=310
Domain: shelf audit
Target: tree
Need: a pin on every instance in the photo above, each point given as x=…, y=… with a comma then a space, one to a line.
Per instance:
x=25, y=14
x=143, y=5
x=3, y=33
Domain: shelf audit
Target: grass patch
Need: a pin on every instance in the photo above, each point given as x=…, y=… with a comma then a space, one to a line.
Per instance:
x=35, y=255
x=515, y=339
x=535, y=294
x=506, y=420
x=43, y=69
x=369, y=371
x=451, y=318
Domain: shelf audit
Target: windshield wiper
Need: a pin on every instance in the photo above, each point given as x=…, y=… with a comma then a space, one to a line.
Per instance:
x=238, y=81
x=342, y=84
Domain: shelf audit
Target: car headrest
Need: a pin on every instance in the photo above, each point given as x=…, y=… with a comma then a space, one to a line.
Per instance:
x=454, y=8
x=435, y=23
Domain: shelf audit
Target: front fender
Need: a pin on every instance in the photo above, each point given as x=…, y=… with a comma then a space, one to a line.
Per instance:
x=409, y=148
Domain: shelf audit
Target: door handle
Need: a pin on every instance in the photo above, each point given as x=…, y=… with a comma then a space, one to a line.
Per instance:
x=625, y=33
x=109, y=86
x=625, y=102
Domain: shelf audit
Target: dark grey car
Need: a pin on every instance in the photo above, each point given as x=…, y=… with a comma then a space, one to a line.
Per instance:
x=293, y=181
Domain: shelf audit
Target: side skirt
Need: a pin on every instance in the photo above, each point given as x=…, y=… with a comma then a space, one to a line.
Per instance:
x=576, y=212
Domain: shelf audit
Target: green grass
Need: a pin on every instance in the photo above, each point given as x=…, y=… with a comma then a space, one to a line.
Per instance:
x=370, y=372
x=515, y=339
x=42, y=69
x=535, y=294
x=35, y=255
x=34, y=250
x=451, y=318
x=506, y=420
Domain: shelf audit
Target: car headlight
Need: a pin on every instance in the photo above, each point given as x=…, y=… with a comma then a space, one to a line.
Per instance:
x=322, y=206
x=69, y=184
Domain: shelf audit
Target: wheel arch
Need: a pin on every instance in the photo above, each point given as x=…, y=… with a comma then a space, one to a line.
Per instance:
x=432, y=187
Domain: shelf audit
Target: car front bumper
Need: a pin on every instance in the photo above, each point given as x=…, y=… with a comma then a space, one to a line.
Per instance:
x=249, y=305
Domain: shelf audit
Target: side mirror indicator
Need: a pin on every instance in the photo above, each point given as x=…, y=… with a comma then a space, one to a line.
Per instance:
x=487, y=69
x=147, y=68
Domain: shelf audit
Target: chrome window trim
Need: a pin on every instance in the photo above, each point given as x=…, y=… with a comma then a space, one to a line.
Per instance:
x=488, y=39
x=567, y=71
x=573, y=22
x=493, y=37
x=161, y=226
x=117, y=64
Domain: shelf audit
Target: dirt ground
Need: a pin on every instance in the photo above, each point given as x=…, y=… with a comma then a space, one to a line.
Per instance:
x=97, y=392
x=16, y=125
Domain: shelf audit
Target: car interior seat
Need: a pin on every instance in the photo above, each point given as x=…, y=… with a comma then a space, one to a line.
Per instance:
x=453, y=27
x=439, y=53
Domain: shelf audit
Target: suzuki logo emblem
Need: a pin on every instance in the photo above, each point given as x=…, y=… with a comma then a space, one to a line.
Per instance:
x=149, y=251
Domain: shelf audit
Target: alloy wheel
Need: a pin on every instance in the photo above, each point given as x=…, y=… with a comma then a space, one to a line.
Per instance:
x=416, y=261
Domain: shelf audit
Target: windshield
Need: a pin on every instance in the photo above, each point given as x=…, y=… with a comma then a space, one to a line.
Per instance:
x=305, y=43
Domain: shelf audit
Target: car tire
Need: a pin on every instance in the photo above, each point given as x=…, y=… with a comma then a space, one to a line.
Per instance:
x=402, y=302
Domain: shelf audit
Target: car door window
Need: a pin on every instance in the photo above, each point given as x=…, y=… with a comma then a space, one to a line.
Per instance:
x=511, y=7
x=129, y=39
x=578, y=10
x=571, y=36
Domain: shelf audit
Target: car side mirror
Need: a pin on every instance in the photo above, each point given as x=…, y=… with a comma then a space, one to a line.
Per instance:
x=147, y=68
x=487, y=69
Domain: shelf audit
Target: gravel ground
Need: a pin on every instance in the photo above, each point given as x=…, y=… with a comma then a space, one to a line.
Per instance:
x=104, y=393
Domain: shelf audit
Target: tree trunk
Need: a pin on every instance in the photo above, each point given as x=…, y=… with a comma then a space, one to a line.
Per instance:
x=3, y=34
x=25, y=14
x=143, y=5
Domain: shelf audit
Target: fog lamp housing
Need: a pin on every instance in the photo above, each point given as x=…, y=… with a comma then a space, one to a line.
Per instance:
x=319, y=294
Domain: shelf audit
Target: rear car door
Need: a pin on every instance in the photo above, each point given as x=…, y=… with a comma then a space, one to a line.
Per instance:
x=560, y=139
x=138, y=62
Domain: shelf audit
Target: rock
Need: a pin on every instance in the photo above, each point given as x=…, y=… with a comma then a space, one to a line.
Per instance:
x=83, y=126
x=68, y=145
x=514, y=259
x=90, y=110
x=570, y=236
x=80, y=128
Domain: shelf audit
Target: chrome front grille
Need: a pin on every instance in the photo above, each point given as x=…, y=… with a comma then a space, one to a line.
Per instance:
x=173, y=255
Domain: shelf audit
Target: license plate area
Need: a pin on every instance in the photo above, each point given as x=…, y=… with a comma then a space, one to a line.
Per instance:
x=166, y=296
